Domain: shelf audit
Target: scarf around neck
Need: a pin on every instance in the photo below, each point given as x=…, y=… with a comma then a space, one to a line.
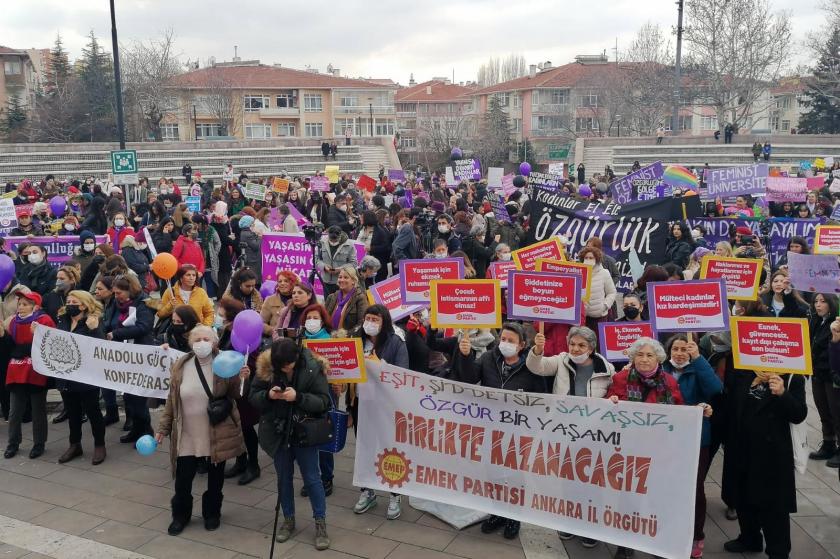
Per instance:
x=639, y=386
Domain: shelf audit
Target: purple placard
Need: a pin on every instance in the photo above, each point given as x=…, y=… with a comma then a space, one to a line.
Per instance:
x=467, y=169
x=404, y=310
x=814, y=273
x=576, y=293
x=786, y=189
x=606, y=351
x=422, y=297
x=60, y=250
x=622, y=189
x=736, y=181
x=687, y=322
x=275, y=222
x=397, y=175
x=319, y=184
x=498, y=205
x=507, y=184
x=409, y=199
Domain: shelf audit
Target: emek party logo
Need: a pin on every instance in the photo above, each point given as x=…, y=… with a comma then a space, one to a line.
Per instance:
x=392, y=467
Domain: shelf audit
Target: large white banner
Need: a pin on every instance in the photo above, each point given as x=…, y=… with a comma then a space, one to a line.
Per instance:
x=142, y=370
x=622, y=473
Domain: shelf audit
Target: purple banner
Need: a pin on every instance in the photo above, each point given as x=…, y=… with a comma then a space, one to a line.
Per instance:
x=784, y=189
x=467, y=169
x=60, y=250
x=396, y=175
x=815, y=273
x=624, y=190
x=275, y=221
x=735, y=181
x=319, y=184
x=549, y=181
x=498, y=205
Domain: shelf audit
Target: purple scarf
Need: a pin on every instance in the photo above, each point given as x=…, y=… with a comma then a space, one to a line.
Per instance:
x=18, y=321
x=341, y=302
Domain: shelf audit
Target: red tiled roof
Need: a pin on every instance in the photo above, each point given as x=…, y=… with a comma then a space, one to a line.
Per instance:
x=441, y=92
x=568, y=75
x=266, y=77
x=7, y=50
x=791, y=86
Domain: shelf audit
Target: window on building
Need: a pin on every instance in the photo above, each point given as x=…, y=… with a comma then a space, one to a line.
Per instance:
x=286, y=100
x=208, y=130
x=12, y=67
x=385, y=127
x=785, y=126
x=254, y=103
x=588, y=99
x=685, y=122
x=286, y=129
x=342, y=124
x=586, y=124
x=349, y=101
x=517, y=125
x=257, y=131
x=548, y=122
x=503, y=99
x=169, y=132
x=801, y=102
x=314, y=129
x=517, y=101
x=408, y=142
x=709, y=122
x=783, y=102
x=312, y=103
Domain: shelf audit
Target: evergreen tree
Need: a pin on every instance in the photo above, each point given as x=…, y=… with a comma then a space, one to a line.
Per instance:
x=822, y=96
x=493, y=143
x=527, y=152
x=96, y=79
x=14, y=120
x=59, y=71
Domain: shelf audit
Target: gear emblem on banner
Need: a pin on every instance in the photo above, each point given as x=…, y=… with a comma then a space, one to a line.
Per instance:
x=392, y=467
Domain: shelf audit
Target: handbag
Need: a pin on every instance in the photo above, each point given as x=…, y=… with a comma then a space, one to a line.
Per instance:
x=339, y=428
x=311, y=431
x=218, y=408
x=149, y=283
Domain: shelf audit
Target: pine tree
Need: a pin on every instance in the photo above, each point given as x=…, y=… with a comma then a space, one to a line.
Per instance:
x=14, y=120
x=97, y=82
x=527, y=152
x=822, y=96
x=59, y=71
x=493, y=144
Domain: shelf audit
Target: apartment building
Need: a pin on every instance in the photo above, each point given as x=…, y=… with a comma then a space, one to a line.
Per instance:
x=249, y=100
x=432, y=117
x=788, y=105
x=19, y=78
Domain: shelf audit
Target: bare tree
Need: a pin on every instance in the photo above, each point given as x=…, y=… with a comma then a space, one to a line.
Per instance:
x=146, y=67
x=436, y=136
x=644, y=81
x=489, y=73
x=221, y=102
x=497, y=70
x=735, y=49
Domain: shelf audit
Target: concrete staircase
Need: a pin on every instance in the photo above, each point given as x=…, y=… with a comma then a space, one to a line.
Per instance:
x=374, y=157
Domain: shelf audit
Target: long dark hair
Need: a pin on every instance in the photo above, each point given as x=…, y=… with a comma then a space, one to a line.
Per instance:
x=240, y=277
x=385, y=332
x=830, y=299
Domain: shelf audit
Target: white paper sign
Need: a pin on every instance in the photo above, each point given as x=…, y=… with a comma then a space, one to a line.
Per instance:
x=494, y=177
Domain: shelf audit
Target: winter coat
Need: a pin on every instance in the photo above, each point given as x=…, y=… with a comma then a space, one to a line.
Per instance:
x=758, y=468
x=313, y=397
x=405, y=246
x=611, y=264
x=226, y=440
x=188, y=251
x=487, y=371
x=793, y=308
x=354, y=311
x=271, y=307
x=39, y=278
x=64, y=323
x=134, y=257
x=164, y=241
x=380, y=244
x=253, y=302
x=602, y=293
x=393, y=351
x=511, y=235
x=212, y=245
x=116, y=237
x=20, y=370
x=35, y=230
x=698, y=384
x=8, y=300
x=820, y=330
x=336, y=217
x=199, y=301
x=95, y=220
x=140, y=332
x=619, y=387
x=563, y=369
x=253, y=250
x=678, y=251
x=336, y=257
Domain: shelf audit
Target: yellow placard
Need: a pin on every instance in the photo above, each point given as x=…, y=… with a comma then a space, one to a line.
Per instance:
x=587, y=289
x=330, y=349
x=827, y=239
x=281, y=186
x=527, y=256
x=758, y=262
x=331, y=172
x=764, y=362
x=448, y=316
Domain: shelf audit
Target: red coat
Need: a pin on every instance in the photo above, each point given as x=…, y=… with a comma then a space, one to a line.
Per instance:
x=20, y=366
x=124, y=232
x=187, y=251
x=556, y=334
x=619, y=387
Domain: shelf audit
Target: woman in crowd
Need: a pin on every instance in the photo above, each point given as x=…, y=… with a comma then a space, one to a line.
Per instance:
x=378, y=244
x=165, y=235
x=782, y=300
x=274, y=303
x=317, y=209
x=36, y=273
x=66, y=280
x=81, y=315
x=95, y=219
x=695, y=262
x=193, y=438
x=251, y=240
x=796, y=244
x=187, y=249
x=826, y=394
x=102, y=292
x=680, y=245
x=602, y=290
x=380, y=340
x=176, y=336
x=119, y=230
x=133, y=250
x=724, y=249
x=644, y=380
x=368, y=270
x=502, y=253
x=235, y=201
x=243, y=288
x=289, y=378
x=698, y=385
x=291, y=316
x=186, y=292
x=347, y=305
x=129, y=319
x=25, y=386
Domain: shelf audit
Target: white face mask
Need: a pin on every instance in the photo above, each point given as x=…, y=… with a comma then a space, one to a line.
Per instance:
x=89, y=247
x=69, y=227
x=508, y=349
x=589, y=261
x=678, y=365
x=505, y=256
x=202, y=349
x=35, y=258
x=119, y=222
x=371, y=328
x=443, y=228
x=312, y=325
x=441, y=255
x=579, y=359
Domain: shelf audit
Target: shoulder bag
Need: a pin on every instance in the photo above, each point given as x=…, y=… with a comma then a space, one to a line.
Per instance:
x=218, y=408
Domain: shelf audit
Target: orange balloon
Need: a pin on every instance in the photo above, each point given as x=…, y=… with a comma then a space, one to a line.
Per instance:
x=164, y=265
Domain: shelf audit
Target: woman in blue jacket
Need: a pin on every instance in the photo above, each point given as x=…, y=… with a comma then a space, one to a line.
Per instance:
x=698, y=385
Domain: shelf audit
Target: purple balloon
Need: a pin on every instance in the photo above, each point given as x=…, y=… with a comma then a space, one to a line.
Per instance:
x=525, y=168
x=267, y=288
x=457, y=153
x=247, y=330
x=585, y=190
x=58, y=205
x=7, y=271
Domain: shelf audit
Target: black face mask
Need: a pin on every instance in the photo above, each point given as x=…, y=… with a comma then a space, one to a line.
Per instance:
x=178, y=329
x=631, y=312
x=72, y=310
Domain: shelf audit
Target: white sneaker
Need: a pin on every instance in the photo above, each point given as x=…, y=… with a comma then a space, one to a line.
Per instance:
x=367, y=500
x=394, y=508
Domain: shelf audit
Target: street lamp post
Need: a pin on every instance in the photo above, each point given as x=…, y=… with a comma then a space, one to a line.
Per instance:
x=371, y=120
x=117, y=81
x=618, y=121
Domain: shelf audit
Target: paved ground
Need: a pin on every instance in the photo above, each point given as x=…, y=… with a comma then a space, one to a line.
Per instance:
x=120, y=510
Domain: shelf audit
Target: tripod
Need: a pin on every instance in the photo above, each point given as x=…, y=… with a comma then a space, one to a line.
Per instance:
x=315, y=247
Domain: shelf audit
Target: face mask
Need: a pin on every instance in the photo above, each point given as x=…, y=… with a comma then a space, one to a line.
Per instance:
x=313, y=325
x=631, y=312
x=178, y=329
x=678, y=365
x=202, y=349
x=440, y=255
x=505, y=256
x=508, y=349
x=371, y=328
x=443, y=228
x=35, y=258
x=69, y=227
x=119, y=222
x=168, y=206
x=589, y=262
x=72, y=310
x=219, y=322
x=736, y=310
x=60, y=285
x=579, y=359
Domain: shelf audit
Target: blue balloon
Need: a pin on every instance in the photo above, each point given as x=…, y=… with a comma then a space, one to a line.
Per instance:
x=228, y=363
x=146, y=445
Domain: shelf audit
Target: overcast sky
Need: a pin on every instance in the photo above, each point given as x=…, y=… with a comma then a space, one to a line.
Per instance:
x=372, y=38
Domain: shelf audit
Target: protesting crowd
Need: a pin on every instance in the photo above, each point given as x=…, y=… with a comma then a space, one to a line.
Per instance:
x=118, y=283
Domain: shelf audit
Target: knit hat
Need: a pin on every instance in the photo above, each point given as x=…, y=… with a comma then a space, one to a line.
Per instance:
x=87, y=235
x=438, y=207
x=246, y=221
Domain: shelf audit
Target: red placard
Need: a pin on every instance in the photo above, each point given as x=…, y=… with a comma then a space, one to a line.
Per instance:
x=570, y=269
x=688, y=306
x=366, y=183
x=416, y=275
x=389, y=293
x=773, y=344
x=345, y=356
x=544, y=296
x=499, y=270
x=742, y=275
x=466, y=304
x=616, y=337
x=526, y=258
x=827, y=239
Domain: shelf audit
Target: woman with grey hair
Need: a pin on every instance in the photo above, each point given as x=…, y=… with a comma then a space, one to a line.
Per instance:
x=368, y=268
x=644, y=380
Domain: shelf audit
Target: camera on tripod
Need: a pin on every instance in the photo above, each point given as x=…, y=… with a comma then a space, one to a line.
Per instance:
x=312, y=233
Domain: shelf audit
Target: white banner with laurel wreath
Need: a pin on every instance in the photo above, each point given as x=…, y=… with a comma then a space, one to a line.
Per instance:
x=129, y=368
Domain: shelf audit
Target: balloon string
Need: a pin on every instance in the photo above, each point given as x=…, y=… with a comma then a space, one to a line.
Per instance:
x=242, y=382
